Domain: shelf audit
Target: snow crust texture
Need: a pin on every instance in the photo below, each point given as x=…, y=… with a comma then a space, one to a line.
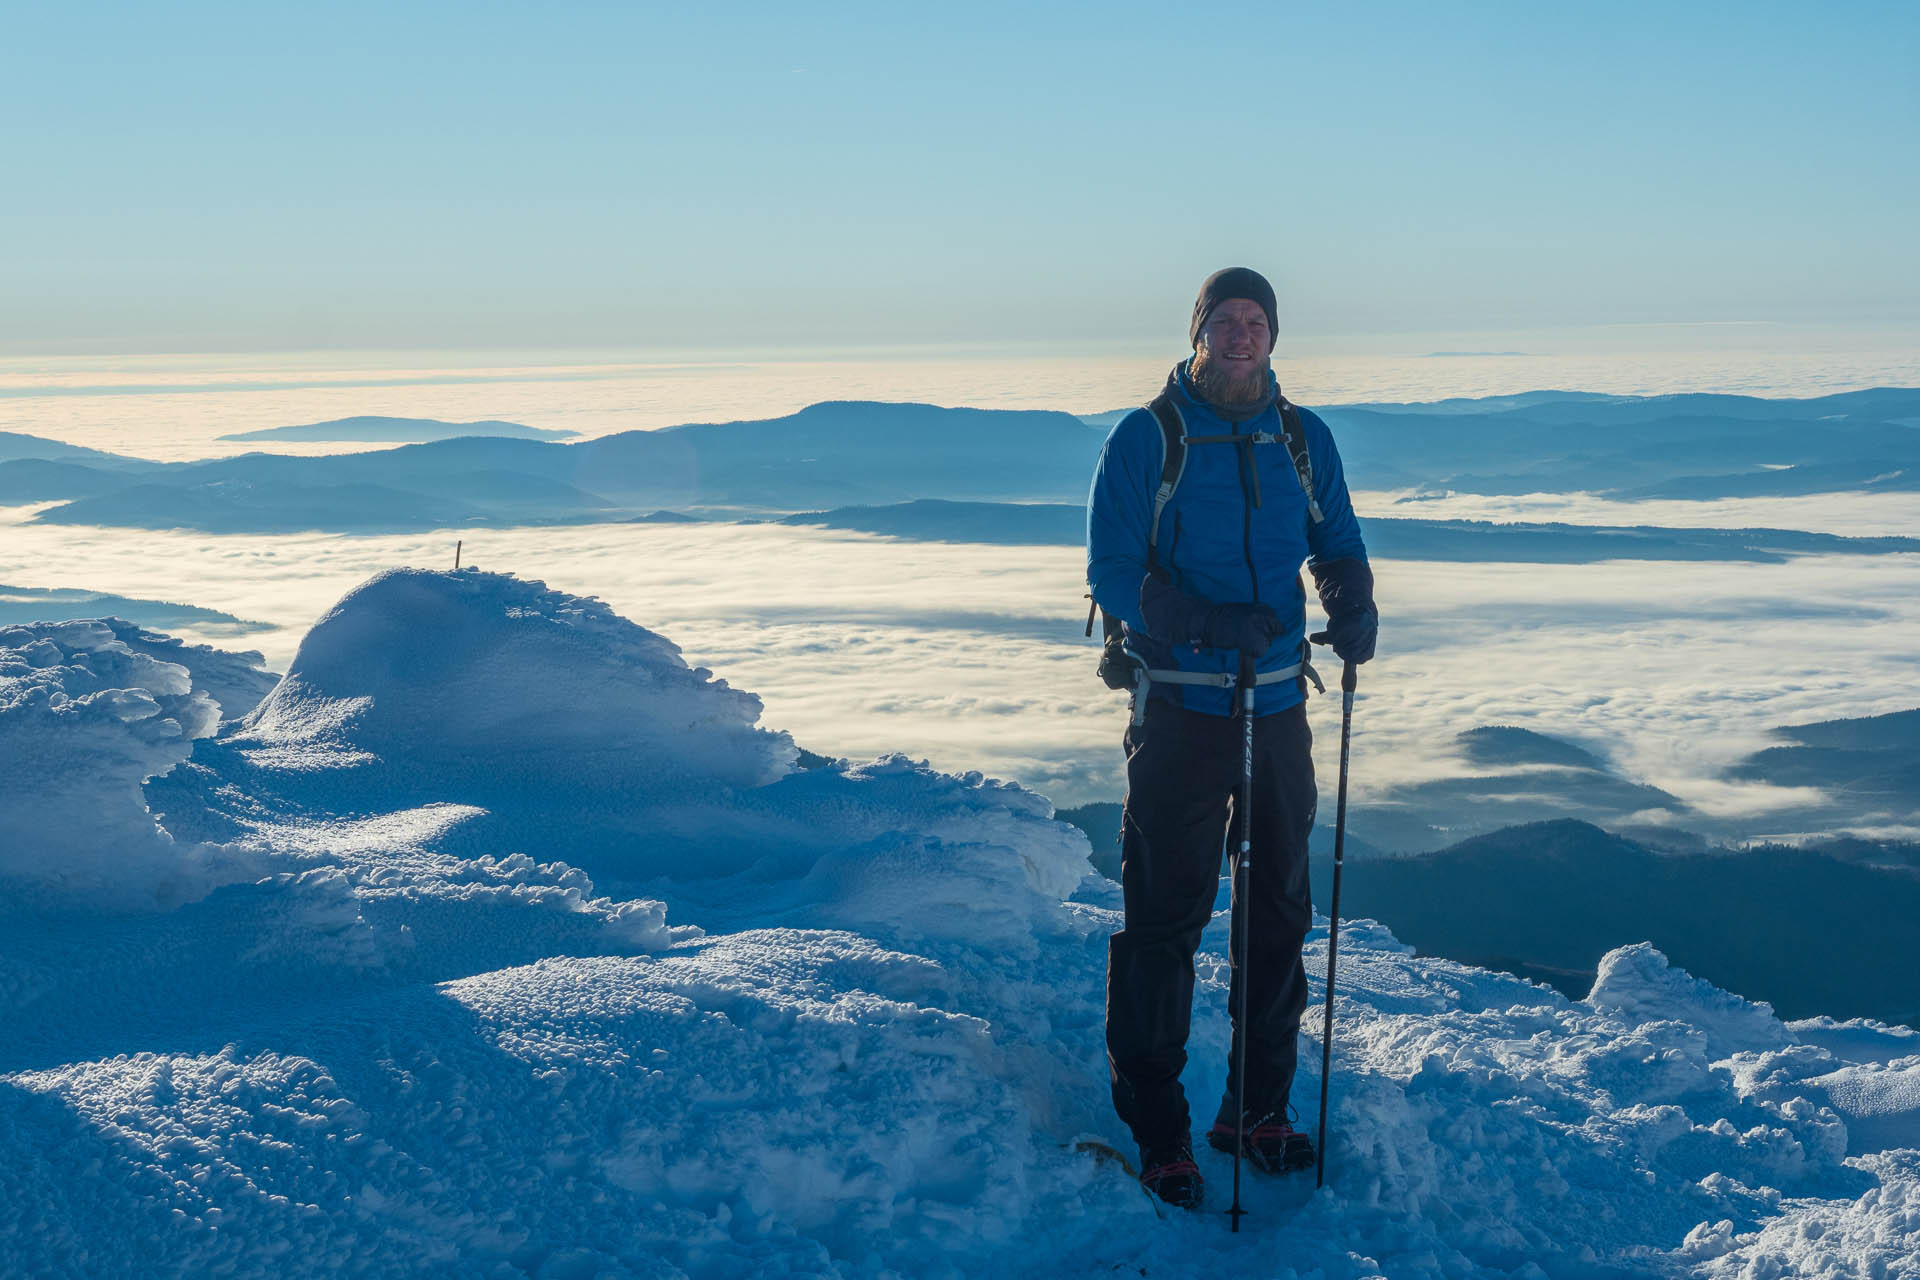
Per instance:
x=531, y=954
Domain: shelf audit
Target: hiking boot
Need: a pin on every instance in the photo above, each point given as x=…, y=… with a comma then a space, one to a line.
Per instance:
x=1171, y=1174
x=1270, y=1144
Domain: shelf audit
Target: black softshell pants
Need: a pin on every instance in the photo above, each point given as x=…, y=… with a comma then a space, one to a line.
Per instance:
x=1183, y=776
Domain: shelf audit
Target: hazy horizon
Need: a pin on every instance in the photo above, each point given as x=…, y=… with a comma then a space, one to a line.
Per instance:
x=175, y=407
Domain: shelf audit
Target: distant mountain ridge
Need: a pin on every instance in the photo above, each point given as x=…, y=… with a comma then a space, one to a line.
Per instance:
x=827, y=454
x=404, y=430
x=15, y=446
x=858, y=453
x=20, y=605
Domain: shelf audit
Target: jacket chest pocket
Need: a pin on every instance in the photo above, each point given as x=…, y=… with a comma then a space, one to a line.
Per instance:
x=1279, y=532
x=1208, y=518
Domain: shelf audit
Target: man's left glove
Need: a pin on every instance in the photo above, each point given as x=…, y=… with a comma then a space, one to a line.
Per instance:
x=1346, y=593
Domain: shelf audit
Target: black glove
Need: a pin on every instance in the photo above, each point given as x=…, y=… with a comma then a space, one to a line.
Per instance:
x=1250, y=628
x=1174, y=617
x=1351, y=635
x=1346, y=593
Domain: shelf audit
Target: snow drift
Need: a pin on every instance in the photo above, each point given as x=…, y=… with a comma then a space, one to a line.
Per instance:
x=547, y=961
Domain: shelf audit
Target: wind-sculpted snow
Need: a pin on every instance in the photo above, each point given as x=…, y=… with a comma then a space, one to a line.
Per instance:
x=89, y=710
x=642, y=999
x=1637, y=983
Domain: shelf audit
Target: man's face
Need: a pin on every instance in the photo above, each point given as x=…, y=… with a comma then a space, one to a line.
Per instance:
x=1230, y=362
x=1236, y=335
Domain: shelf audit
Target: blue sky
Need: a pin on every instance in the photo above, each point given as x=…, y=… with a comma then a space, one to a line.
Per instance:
x=425, y=175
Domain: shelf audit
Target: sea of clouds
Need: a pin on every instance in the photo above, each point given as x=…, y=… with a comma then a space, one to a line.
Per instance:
x=975, y=655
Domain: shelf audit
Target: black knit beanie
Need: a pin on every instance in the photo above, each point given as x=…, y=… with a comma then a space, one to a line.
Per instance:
x=1234, y=282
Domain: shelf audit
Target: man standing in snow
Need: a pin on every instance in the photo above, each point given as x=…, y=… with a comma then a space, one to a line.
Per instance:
x=1199, y=576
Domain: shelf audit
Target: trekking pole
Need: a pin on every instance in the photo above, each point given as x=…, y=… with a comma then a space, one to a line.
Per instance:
x=1348, y=679
x=1237, y=909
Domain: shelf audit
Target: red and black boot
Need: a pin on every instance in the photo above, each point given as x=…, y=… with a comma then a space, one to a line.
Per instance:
x=1270, y=1144
x=1170, y=1173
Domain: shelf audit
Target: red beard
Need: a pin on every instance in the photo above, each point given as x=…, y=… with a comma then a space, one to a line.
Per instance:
x=1229, y=389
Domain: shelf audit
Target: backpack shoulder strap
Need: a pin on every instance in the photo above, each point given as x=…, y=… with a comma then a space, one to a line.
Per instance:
x=1173, y=435
x=1295, y=436
x=1173, y=440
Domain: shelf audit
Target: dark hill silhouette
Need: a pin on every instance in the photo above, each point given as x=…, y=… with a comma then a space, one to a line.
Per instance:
x=1875, y=760
x=52, y=604
x=1808, y=933
x=1497, y=745
x=1895, y=731
x=14, y=445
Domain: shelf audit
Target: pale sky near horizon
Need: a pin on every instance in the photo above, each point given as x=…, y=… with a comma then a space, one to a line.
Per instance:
x=227, y=177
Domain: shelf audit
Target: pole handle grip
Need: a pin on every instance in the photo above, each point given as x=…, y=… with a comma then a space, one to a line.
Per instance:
x=1350, y=677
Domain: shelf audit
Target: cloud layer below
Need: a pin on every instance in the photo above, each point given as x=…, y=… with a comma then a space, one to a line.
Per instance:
x=973, y=656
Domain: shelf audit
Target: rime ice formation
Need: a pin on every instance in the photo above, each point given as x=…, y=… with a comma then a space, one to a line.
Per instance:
x=89, y=710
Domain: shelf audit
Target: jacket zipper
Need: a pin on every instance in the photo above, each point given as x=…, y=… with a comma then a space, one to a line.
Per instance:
x=1246, y=460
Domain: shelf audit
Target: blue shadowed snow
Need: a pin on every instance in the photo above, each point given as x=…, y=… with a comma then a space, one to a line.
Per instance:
x=496, y=941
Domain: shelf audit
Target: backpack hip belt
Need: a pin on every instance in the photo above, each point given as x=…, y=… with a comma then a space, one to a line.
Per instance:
x=1146, y=677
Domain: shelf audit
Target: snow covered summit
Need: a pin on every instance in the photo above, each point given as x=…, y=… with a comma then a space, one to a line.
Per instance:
x=497, y=941
x=472, y=675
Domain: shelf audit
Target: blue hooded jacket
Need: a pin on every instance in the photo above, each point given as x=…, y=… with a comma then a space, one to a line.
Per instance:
x=1214, y=542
